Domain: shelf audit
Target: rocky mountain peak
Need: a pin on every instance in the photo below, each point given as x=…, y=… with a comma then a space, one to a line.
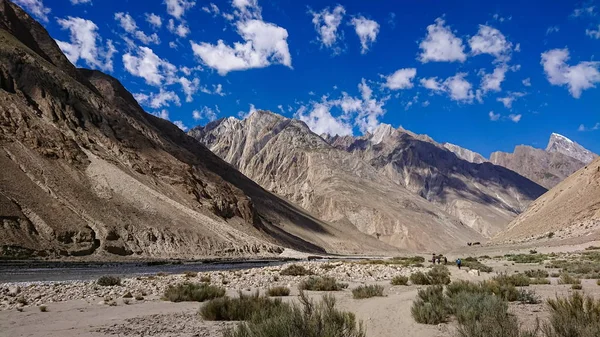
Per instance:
x=381, y=132
x=561, y=144
x=465, y=154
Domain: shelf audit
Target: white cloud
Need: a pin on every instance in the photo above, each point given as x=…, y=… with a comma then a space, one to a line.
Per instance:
x=84, y=39
x=508, y=100
x=35, y=8
x=177, y=8
x=326, y=24
x=246, y=114
x=367, y=31
x=77, y=2
x=457, y=87
x=585, y=10
x=205, y=113
x=173, y=45
x=216, y=90
x=154, y=20
x=128, y=23
x=491, y=41
x=582, y=127
x=401, y=79
x=579, y=77
x=392, y=20
x=181, y=30
x=552, y=29
x=211, y=9
x=593, y=33
x=527, y=82
x=164, y=114
x=247, y=9
x=180, y=125
x=441, y=45
x=494, y=117
x=158, y=100
x=320, y=121
x=150, y=67
x=265, y=44
x=189, y=87
x=515, y=118
x=493, y=81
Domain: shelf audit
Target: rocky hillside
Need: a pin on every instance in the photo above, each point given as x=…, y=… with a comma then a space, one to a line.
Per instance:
x=85, y=171
x=483, y=196
x=570, y=209
x=285, y=157
x=549, y=167
x=465, y=154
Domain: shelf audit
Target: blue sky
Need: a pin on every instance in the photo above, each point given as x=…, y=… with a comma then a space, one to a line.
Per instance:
x=483, y=75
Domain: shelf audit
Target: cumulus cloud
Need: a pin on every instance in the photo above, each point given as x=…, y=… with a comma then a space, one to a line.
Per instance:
x=515, y=118
x=158, y=100
x=577, y=78
x=35, y=8
x=508, y=100
x=180, y=125
x=492, y=81
x=527, y=82
x=326, y=24
x=320, y=120
x=401, y=79
x=367, y=31
x=205, y=113
x=494, y=117
x=593, y=33
x=457, y=87
x=246, y=114
x=154, y=20
x=189, y=87
x=147, y=65
x=181, y=29
x=211, y=9
x=164, y=114
x=265, y=44
x=584, y=11
x=552, y=29
x=78, y=2
x=86, y=44
x=217, y=89
x=128, y=24
x=582, y=127
x=177, y=8
x=441, y=45
x=491, y=41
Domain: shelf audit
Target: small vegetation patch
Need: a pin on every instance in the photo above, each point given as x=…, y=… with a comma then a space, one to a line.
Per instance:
x=327, y=266
x=241, y=308
x=538, y=273
x=431, y=306
x=517, y=280
x=205, y=279
x=325, y=283
x=367, y=291
x=437, y=275
x=528, y=258
x=43, y=308
x=592, y=248
x=540, y=281
x=190, y=274
x=568, y=279
x=527, y=296
x=473, y=263
x=107, y=281
x=295, y=270
x=399, y=280
x=573, y=316
x=192, y=292
x=576, y=286
x=278, y=291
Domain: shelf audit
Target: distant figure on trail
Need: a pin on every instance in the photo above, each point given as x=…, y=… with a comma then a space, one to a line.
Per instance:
x=445, y=260
x=438, y=259
x=458, y=263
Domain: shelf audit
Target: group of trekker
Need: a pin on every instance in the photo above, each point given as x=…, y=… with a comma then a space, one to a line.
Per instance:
x=440, y=258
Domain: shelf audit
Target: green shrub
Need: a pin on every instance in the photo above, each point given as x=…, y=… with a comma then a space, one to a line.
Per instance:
x=107, y=281
x=598, y=282
x=241, y=308
x=278, y=291
x=439, y=275
x=461, y=286
x=307, y=320
x=295, y=270
x=400, y=280
x=576, y=287
x=540, y=281
x=555, y=275
x=367, y=291
x=43, y=308
x=592, y=248
x=505, y=291
x=517, y=280
x=568, y=279
x=472, y=306
x=473, y=263
x=538, y=273
x=327, y=266
x=192, y=292
x=574, y=316
x=528, y=258
x=431, y=306
x=528, y=297
x=205, y=279
x=407, y=261
x=325, y=283
x=420, y=278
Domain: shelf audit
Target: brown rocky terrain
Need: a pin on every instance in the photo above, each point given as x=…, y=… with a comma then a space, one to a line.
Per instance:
x=86, y=172
x=285, y=157
x=484, y=196
x=570, y=209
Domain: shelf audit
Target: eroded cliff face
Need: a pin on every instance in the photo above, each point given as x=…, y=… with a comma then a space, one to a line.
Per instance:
x=483, y=196
x=285, y=157
x=87, y=172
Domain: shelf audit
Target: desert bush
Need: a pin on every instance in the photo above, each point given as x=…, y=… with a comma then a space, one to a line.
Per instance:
x=517, y=280
x=278, y=291
x=190, y=274
x=327, y=266
x=305, y=320
x=568, y=279
x=555, y=275
x=431, y=306
x=526, y=296
x=107, y=281
x=399, y=280
x=592, y=248
x=576, y=287
x=43, y=308
x=538, y=273
x=139, y=297
x=540, y=280
x=205, y=279
x=367, y=291
x=467, y=306
x=473, y=263
x=295, y=270
x=241, y=308
x=574, y=316
x=598, y=282
x=21, y=300
x=505, y=291
x=126, y=301
x=322, y=284
x=420, y=278
x=439, y=275
x=461, y=286
x=407, y=261
x=192, y=292
x=528, y=258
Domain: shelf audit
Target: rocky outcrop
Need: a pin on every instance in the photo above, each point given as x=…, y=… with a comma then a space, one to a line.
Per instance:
x=285, y=157
x=465, y=154
x=561, y=144
x=85, y=171
x=483, y=196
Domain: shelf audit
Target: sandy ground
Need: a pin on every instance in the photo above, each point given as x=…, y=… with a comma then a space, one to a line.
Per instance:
x=383, y=316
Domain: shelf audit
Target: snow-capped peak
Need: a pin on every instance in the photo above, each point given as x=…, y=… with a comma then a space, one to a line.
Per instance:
x=562, y=144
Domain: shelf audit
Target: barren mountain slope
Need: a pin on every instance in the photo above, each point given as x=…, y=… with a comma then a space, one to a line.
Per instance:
x=285, y=157
x=465, y=154
x=571, y=208
x=484, y=196
x=545, y=168
x=86, y=171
